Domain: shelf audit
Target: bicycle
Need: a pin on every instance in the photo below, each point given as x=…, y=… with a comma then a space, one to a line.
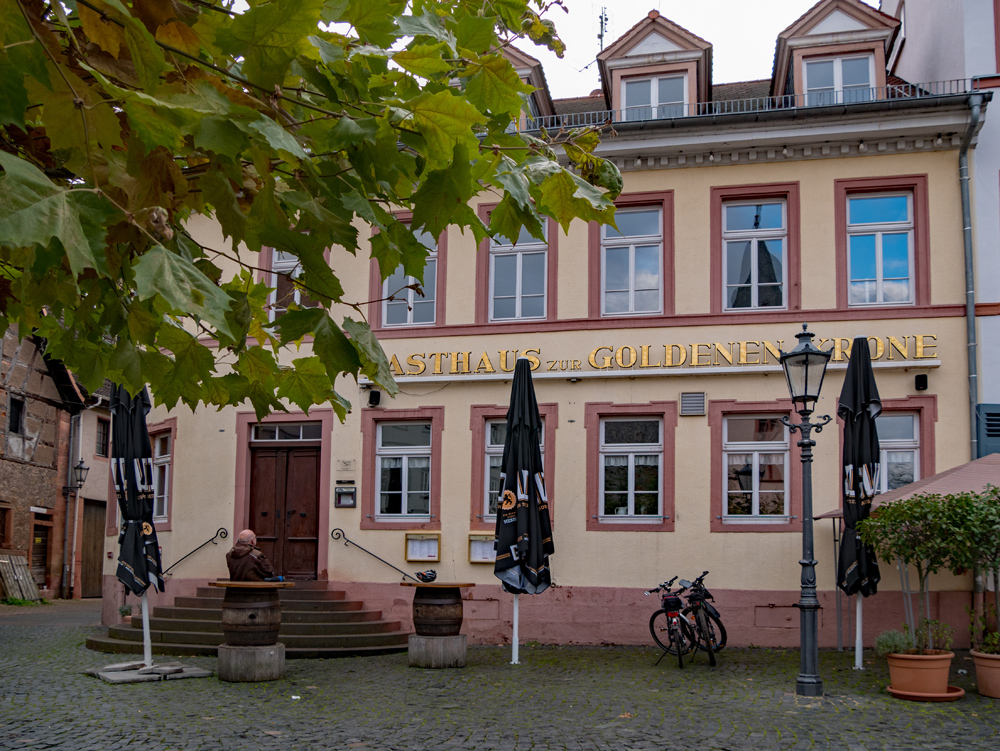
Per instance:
x=710, y=634
x=669, y=622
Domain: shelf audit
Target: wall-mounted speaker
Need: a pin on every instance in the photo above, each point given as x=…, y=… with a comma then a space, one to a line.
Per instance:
x=920, y=382
x=374, y=398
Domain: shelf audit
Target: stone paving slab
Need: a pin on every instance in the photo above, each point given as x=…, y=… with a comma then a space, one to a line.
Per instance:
x=578, y=698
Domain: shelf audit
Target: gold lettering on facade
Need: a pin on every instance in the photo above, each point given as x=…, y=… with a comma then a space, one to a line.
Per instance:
x=644, y=358
x=607, y=358
x=902, y=348
x=721, y=351
x=460, y=358
x=770, y=349
x=437, y=361
x=745, y=353
x=697, y=354
x=394, y=366
x=879, y=346
x=620, y=356
x=503, y=360
x=413, y=362
x=484, y=364
x=577, y=365
x=682, y=355
x=533, y=358
x=920, y=346
x=841, y=346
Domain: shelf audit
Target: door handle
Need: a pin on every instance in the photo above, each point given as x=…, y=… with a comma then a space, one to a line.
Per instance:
x=291, y=512
x=263, y=513
x=303, y=514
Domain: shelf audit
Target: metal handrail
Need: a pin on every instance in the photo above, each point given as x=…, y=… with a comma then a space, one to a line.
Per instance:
x=786, y=102
x=338, y=534
x=220, y=533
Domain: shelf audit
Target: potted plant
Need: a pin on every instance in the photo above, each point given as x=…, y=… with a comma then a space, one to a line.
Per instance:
x=125, y=611
x=986, y=650
x=918, y=531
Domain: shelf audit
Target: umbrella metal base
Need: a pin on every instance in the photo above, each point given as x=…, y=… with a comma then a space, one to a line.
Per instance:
x=437, y=651
x=251, y=664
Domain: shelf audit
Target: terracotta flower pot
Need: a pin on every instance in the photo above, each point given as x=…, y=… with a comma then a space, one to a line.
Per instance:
x=987, y=673
x=920, y=674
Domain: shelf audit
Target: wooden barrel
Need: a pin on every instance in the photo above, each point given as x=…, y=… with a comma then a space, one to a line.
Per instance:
x=251, y=617
x=437, y=611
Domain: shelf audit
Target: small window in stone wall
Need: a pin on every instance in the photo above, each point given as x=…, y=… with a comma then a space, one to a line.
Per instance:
x=6, y=527
x=15, y=416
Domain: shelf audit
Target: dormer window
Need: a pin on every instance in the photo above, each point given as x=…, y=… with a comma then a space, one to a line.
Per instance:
x=839, y=80
x=654, y=98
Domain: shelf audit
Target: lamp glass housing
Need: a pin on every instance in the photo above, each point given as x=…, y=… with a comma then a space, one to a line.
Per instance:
x=804, y=369
x=80, y=471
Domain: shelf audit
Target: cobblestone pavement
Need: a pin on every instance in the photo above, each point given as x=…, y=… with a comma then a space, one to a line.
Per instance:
x=579, y=698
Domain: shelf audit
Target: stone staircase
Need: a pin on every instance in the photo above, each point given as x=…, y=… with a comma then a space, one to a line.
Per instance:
x=315, y=622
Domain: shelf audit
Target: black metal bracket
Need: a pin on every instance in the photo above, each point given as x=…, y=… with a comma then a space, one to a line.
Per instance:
x=220, y=533
x=797, y=427
x=338, y=534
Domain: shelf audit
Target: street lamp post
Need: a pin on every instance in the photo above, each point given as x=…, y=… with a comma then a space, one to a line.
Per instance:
x=804, y=369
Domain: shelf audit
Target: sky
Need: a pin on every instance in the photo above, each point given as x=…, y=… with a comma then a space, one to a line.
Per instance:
x=742, y=33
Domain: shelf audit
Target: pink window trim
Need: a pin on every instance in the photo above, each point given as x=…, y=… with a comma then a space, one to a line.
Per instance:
x=789, y=193
x=593, y=412
x=375, y=286
x=660, y=199
x=917, y=186
x=717, y=411
x=478, y=415
x=369, y=478
x=241, y=513
x=95, y=456
x=925, y=408
x=483, y=276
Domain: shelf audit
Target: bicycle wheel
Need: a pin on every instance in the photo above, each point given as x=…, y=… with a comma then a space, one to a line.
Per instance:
x=705, y=636
x=716, y=628
x=659, y=628
x=677, y=640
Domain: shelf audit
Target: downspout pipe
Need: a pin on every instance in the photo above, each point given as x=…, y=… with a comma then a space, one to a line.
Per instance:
x=74, y=429
x=976, y=105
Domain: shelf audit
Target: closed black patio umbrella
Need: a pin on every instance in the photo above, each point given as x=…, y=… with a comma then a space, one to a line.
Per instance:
x=859, y=406
x=524, y=531
x=132, y=470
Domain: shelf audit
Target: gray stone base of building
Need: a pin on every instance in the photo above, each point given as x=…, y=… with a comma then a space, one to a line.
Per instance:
x=251, y=664
x=437, y=651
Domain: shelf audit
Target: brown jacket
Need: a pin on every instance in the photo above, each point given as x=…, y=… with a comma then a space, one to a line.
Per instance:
x=247, y=564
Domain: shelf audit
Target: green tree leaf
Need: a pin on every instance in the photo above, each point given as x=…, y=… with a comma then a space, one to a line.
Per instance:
x=494, y=86
x=445, y=121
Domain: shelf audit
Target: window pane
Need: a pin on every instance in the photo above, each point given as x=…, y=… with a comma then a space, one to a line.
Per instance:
x=638, y=93
x=772, y=472
x=425, y=238
x=289, y=432
x=494, y=483
x=616, y=302
x=899, y=469
x=532, y=273
x=895, y=427
x=772, y=504
x=743, y=429
x=504, y=275
x=391, y=485
x=739, y=473
x=671, y=90
x=616, y=269
x=895, y=255
x=647, y=267
x=312, y=431
x=862, y=257
x=854, y=71
x=647, y=302
x=862, y=292
x=524, y=236
x=647, y=474
x=418, y=473
x=396, y=281
x=739, y=504
x=769, y=261
x=759, y=216
x=647, y=504
x=162, y=445
x=615, y=474
x=631, y=431
x=858, y=94
x=265, y=433
x=498, y=433
x=738, y=263
x=505, y=308
x=423, y=312
x=429, y=283
x=407, y=434
x=396, y=313
x=819, y=75
x=878, y=210
x=533, y=307
x=615, y=503
x=770, y=296
x=635, y=224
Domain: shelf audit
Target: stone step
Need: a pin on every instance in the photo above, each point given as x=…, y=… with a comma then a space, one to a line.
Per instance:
x=296, y=593
x=120, y=646
x=287, y=604
x=324, y=641
x=317, y=628
x=287, y=616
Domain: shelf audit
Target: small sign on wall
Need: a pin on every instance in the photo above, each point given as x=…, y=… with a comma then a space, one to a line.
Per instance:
x=423, y=546
x=481, y=549
x=345, y=497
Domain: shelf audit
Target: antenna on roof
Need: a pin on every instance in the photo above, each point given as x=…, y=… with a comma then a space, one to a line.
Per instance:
x=602, y=21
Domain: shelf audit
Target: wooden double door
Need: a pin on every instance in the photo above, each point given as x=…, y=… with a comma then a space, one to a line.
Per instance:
x=284, y=507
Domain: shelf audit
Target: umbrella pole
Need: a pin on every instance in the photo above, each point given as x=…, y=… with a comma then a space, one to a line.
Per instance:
x=858, y=631
x=513, y=654
x=147, y=645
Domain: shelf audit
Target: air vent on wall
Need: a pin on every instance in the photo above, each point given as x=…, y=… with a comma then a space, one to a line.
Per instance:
x=989, y=428
x=693, y=403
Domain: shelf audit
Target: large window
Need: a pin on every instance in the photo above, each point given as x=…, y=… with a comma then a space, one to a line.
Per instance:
x=880, y=249
x=631, y=273
x=654, y=98
x=755, y=459
x=839, y=80
x=404, y=469
x=162, y=453
x=899, y=441
x=631, y=459
x=755, y=240
x=518, y=277
x=496, y=434
x=408, y=306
